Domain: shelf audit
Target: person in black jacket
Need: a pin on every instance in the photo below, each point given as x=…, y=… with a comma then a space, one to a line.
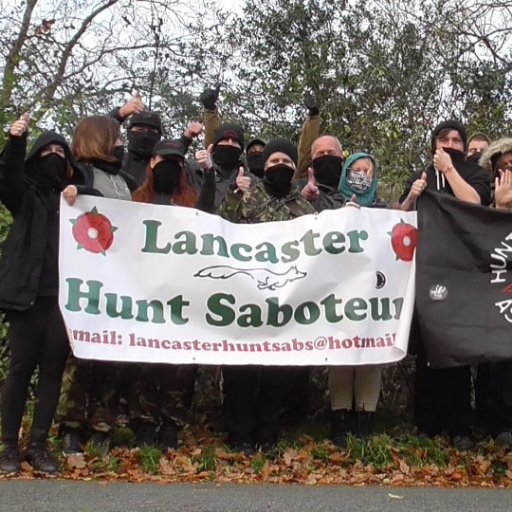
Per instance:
x=443, y=396
x=30, y=190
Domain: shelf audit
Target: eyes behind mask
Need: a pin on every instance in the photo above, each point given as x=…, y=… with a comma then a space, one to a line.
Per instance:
x=142, y=143
x=327, y=170
x=226, y=157
x=166, y=176
x=278, y=180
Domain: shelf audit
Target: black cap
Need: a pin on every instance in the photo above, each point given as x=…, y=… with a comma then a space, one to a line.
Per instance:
x=453, y=124
x=170, y=148
x=229, y=131
x=147, y=118
x=281, y=146
x=254, y=142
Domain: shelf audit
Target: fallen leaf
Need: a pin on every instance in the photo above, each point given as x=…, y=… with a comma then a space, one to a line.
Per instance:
x=76, y=461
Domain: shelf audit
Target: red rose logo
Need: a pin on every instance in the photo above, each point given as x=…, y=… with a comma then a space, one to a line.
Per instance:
x=93, y=232
x=404, y=239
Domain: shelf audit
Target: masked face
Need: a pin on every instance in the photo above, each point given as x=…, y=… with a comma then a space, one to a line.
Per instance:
x=278, y=179
x=256, y=163
x=226, y=157
x=53, y=169
x=359, y=182
x=327, y=170
x=166, y=176
x=142, y=142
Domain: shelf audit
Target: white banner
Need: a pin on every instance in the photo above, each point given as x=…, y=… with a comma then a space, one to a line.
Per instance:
x=170, y=284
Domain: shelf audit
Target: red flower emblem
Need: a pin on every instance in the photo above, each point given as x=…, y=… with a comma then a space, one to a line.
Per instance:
x=93, y=232
x=404, y=238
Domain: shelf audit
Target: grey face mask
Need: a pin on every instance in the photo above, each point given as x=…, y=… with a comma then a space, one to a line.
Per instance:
x=359, y=182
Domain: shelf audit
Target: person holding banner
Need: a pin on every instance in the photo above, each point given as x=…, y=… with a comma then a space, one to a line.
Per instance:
x=354, y=390
x=493, y=385
x=255, y=395
x=29, y=270
x=156, y=394
x=443, y=396
x=97, y=145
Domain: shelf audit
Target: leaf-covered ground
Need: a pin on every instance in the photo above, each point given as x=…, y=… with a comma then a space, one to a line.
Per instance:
x=393, y=457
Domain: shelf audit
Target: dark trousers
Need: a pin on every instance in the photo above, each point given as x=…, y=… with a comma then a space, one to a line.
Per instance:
x=37, y=339
x=253, y=398
x=493, y=389
x=442, y=401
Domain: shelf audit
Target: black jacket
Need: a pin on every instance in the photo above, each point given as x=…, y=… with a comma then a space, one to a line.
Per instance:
x=470, y=172
x=30, y=251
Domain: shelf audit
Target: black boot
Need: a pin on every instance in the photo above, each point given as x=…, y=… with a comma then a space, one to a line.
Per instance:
x=168, y=435
x=341, y=426
x=10, y=459
x=71, y=440
x=145, y=434
x=41, y=459
x=365, y=421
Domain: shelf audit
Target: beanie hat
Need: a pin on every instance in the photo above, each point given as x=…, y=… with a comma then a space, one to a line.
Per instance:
x=453, y=124
x=254, y=142
x=280, y=146
x=229, y=131
x=479, y=136
x=147, y=118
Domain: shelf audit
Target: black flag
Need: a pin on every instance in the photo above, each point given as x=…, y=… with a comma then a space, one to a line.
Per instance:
x=463, y=281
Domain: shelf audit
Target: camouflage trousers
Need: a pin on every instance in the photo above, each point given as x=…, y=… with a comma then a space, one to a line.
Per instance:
x=90, y=398
x=156, y=393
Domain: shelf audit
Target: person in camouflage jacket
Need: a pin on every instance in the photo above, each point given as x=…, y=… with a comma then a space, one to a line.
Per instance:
x=254, y=396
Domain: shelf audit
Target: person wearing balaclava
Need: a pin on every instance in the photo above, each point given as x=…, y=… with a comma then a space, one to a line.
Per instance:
x=224, y=157
x=98, y=147
x=321, y=187
x=254, y=157
x=255, y=395
x=443, y=396
x=156, y=395
x=29, y=282
x=144, y=130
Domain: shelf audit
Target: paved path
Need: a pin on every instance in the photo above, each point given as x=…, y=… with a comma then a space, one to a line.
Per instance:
x=65, y=496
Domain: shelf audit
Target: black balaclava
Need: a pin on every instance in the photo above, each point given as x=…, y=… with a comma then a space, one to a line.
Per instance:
x=118, y=153
x=256, y=164
x=166, y=176
x=277, y=179
x=327, y=170
x=255, y=160
x=142, y=143
x=226, y=157
x=53, y=169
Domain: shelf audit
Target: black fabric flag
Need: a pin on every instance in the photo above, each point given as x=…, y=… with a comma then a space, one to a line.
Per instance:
x=463, y=281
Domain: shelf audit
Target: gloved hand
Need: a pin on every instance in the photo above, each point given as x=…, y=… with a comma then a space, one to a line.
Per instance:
x=310, y=104
x=209, y=98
